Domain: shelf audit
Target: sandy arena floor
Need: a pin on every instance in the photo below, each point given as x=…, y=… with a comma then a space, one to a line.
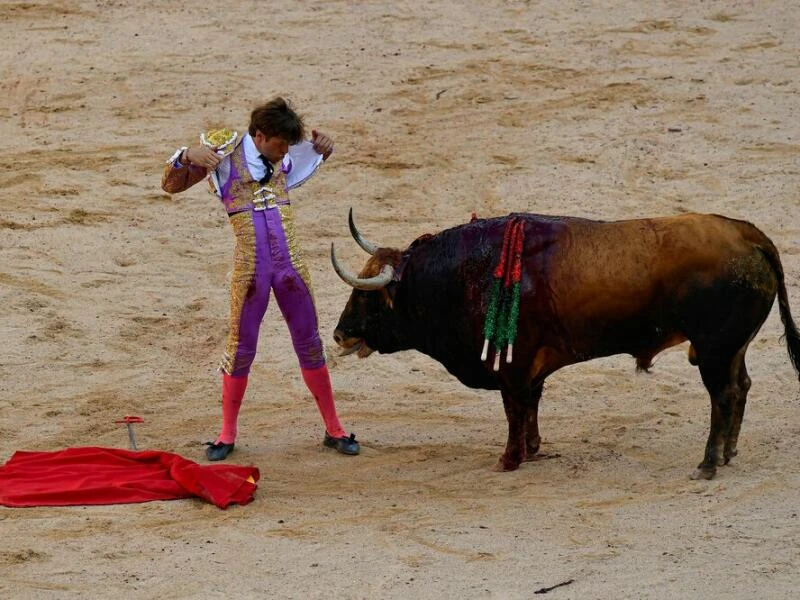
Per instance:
x=114, y=294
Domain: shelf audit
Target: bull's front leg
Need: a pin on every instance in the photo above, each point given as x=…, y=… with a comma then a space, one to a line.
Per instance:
x=516, y=408
x=532, y=438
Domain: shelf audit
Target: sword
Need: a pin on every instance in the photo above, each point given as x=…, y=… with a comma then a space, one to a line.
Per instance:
x=129, y=421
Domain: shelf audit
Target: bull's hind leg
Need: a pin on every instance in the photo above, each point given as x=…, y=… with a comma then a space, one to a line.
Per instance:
x=717, y=379
x=727, y=384
x=743, y=381
x=721, y=321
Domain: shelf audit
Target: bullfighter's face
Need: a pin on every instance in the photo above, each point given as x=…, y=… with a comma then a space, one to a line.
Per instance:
x=274, y=147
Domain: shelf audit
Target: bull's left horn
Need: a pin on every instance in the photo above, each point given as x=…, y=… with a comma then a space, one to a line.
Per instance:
x=370, y=283
x=365, y=245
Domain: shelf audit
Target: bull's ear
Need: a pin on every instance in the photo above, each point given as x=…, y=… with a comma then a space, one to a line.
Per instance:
x=388, y=293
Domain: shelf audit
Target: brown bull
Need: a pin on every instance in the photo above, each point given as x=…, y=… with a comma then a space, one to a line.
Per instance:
x=588, y=289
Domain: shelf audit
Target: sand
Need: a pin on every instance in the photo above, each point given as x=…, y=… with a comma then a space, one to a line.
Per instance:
x=114, y=294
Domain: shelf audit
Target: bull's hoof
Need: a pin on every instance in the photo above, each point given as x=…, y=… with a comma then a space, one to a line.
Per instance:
x=504, y=465
x=530, y=453
x=532, y=447
x=729, y=454
x=704, y=473
x=541, y=456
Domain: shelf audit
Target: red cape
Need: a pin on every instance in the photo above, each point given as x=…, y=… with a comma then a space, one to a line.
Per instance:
x=79, y=476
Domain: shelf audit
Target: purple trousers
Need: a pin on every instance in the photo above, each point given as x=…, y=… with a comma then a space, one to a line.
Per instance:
x=267, y=259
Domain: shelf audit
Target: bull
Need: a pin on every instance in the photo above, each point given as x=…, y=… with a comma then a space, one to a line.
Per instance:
x=588, y=289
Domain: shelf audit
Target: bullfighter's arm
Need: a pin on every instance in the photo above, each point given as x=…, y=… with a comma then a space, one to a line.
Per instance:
x=306, y=157
x=180, y=174
x=304, y=161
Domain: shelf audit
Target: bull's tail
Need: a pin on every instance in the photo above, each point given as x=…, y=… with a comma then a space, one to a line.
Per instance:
x=791, y=333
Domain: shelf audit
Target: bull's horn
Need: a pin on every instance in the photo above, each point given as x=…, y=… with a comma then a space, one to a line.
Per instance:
x=370, y=283
x=365, y=245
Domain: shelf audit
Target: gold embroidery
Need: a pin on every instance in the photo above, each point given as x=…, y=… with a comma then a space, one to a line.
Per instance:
x=244, y=268
x=243, y=187
x=290, y=233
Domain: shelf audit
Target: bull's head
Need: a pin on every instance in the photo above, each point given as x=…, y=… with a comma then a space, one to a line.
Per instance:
x=364, y=325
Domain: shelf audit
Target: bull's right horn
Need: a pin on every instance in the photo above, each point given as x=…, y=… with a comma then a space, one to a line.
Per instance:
x=365, y=245
x=371, y=283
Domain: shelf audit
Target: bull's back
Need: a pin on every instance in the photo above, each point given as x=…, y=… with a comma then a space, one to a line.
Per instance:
x=621, y=267
x=589, y=268
x=631, y=286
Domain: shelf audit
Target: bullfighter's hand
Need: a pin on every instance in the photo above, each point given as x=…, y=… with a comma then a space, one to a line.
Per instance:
x=323, y=144
x=203, y=156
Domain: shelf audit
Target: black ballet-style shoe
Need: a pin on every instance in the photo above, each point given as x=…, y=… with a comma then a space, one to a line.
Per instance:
x=346, y=444
x=218, y=450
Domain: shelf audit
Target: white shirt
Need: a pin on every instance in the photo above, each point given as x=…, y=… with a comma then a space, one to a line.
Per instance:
x=300, y=163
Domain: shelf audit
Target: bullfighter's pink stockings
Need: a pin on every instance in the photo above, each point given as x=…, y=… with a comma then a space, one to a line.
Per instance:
x=232, y=393
x=318, y=382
